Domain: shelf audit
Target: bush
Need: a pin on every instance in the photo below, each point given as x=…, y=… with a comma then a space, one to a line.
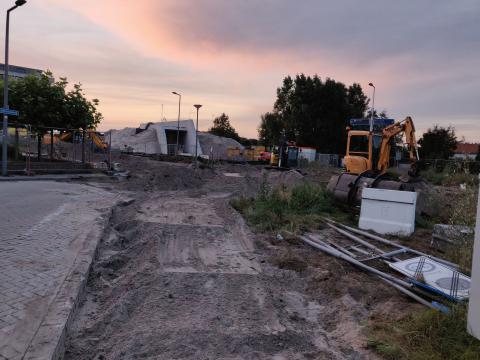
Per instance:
x=464, y=213
x=281, y=208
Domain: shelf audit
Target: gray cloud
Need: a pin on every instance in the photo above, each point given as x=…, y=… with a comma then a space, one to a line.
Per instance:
x=424, y=54
x=433, y=46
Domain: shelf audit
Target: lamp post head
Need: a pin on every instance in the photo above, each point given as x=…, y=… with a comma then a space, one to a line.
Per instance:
x=370, y=84
x=175, y=93
x=20, y=2
x=198, y=106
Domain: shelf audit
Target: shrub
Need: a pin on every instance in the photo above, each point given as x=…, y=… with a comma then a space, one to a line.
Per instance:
x=463, y=213
x=279, y=208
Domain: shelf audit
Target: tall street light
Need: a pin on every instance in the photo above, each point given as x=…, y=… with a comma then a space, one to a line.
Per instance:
x=5, y=90
x=198, y=106
x=373, y=107
x=178, y=121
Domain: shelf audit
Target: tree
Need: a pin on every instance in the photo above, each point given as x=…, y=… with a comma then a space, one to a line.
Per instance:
x=313, y=113
x=248, y=142
x=438, y=143
x=39, y=100
x=376, y=115
x=270, y=129
x=79, y=112
x=46, y=103
x=43, y=103
x=222, y=127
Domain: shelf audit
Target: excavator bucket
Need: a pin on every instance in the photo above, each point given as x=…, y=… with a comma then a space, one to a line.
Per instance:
x=347, y=188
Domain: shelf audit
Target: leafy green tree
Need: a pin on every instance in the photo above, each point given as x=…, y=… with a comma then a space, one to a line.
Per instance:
x=248, y=142
x=222, y=127
x=438, y=143
x=270, y=129
x=46, y=103
x=376, y=115
x=80, y=112
x=39, y=100
x=313, y=113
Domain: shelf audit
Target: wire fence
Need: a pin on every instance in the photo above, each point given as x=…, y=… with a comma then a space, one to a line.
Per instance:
x=32, y=150
x=451, y=166
x=28, y=147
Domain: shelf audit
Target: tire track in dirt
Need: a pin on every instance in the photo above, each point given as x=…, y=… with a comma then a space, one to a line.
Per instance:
x=178, y=277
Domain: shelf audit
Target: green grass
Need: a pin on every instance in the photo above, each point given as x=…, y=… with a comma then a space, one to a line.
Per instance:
x=428, y=335
x=287, y=209
x=464, y=211
x=449, y=177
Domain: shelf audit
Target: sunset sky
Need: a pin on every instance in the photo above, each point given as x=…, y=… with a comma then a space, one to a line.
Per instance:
x=231, y=55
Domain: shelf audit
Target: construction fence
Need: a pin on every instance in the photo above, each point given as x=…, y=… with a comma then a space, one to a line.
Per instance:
x=53, y=148
x=451, y=166
x=213, y=152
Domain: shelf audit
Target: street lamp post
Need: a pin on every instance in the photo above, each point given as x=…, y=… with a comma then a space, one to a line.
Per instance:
x=178, y=121
x=198, y=106
x=5, y=90
x=373, y=107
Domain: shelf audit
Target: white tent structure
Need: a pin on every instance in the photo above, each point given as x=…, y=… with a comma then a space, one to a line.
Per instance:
x=157, y=138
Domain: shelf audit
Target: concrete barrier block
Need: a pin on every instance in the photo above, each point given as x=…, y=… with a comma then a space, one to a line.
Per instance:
x=388, y=211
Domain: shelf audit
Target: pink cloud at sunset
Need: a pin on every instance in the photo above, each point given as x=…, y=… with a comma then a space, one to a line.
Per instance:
x=231, y=55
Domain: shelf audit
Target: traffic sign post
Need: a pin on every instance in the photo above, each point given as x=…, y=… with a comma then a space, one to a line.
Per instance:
x=9, y=112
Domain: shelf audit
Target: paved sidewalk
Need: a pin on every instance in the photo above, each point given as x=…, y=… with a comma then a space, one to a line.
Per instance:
x=48, y=235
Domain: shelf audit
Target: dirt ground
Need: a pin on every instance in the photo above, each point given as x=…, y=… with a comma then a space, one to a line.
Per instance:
x=179, y=275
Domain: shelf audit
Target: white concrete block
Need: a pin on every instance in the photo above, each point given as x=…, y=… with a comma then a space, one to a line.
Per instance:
x=474, y=304
x=388, y=211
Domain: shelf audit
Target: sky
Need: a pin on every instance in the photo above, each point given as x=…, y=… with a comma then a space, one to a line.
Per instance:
x=231, y=55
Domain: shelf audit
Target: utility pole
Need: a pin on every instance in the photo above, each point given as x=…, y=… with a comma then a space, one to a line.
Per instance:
x=196, y=135
x=5, y=90
x=110, y=152
x=373, y=107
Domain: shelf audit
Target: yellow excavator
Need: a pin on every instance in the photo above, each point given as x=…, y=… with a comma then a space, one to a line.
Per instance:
x=97, y=140
x=368, y=157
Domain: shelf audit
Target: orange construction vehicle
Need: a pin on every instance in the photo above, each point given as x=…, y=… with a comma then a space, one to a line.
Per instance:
x=368, y=157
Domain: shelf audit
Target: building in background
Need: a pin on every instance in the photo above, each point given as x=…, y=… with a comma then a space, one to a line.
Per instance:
x=20, y=72
x=156, y=138
x=466, y=151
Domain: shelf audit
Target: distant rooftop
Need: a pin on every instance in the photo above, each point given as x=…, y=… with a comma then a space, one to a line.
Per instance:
x=20, y=70
x=467, y=148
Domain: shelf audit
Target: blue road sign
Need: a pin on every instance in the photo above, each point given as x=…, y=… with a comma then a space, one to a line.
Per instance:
x=9, y=112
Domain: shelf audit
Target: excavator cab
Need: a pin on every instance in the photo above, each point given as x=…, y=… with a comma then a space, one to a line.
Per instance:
x=363, y=150
x=358, y=157
x=368, y=156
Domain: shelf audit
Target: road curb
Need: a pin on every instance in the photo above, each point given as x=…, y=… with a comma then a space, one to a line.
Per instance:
x=49, y=340
x=53, y=177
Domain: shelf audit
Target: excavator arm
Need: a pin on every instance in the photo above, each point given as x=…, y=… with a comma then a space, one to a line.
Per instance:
x=406, y=126
x=98, y=141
